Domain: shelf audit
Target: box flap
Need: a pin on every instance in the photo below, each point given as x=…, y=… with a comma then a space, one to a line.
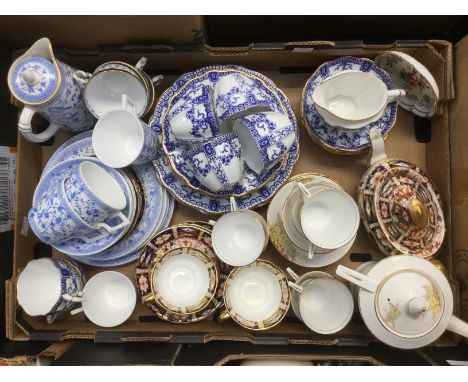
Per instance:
x=459, y=172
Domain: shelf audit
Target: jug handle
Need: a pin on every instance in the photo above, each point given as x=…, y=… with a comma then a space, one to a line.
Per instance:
x=394, y=94
x=458, y=326
x=24, y=126
x=81, y=76
x=357, y=278
x=378, y=146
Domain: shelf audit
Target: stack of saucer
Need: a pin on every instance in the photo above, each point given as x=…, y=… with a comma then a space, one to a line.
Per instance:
x=312, y=221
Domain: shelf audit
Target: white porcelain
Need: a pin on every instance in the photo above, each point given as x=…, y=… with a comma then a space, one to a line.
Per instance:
x=108, y=299
x=405, y=301
x=302, y=281
x=329, y=218
x=46, y=86
x=95, y=195
x=194, y=120
x=239, y=237
x=363, y=268
x=121, y=139
x=218, y=163
x=47, y=287
x=265, y=138
x=325, y=304
x=236, y=95
x=353, y=97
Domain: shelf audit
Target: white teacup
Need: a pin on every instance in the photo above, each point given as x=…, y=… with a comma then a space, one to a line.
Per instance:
x=329, y=217
x=121, y=139
x=325, y=304
x=256, y=296
x=353, y=99
x=108, y=300
x=240, y=236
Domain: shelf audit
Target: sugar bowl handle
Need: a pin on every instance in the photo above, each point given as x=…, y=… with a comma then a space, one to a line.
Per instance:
x=81, y=76
x=378, y=146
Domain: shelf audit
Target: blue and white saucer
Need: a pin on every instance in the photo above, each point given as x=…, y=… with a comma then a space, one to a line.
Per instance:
x=195, y=198
x=337, y=139
x=78, y=247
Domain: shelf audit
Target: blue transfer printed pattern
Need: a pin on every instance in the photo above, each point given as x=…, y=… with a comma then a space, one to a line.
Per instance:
x=206, y=77
x=338, y=138
x=77, y=246
x=150, y=145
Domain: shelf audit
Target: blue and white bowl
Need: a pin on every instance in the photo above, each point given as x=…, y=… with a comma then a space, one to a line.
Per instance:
x=218, y=163
x=265, y=138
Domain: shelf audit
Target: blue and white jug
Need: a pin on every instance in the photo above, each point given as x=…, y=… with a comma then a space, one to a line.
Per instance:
x=46, y=86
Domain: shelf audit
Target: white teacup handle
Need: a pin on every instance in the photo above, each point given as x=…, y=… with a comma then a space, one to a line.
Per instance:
x=25, y=127
x=368, y=283
x=156, y=80
x=128, y=104
x=81, y=76
x=141, y=63
x=69, y=297
x=77, y=310
x=378, y=146
x=311, y=252
x=305, y=192
x=232, y=202
x=125, y=222
x=394, y=94
x=293, y=274
x=212, y=222
x=296, y=287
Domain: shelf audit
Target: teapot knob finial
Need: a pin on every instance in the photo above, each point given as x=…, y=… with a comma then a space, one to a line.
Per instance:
x=417, y=306
x=31, y=77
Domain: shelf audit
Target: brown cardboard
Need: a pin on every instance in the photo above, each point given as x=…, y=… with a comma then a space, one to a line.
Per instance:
x=433, y=158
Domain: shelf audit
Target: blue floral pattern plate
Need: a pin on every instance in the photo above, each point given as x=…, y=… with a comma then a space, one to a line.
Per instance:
x=197, y=199
x=78, y=247
x=337, y=139
x=188, y=88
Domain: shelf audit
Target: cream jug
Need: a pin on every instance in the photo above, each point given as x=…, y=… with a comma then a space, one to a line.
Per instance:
x=46, y=86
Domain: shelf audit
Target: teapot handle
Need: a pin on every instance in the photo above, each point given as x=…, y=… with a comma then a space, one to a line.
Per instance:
x=357, y=278
x=24, y=126
x=458, y=326
x=378, y=146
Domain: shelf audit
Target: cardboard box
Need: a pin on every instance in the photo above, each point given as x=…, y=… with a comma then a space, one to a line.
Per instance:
x=289, y=66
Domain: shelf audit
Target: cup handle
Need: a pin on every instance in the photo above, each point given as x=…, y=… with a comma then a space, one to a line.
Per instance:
x=305, y=192
x=156, y=80
x=311, y=252
x=50, y=318
x=141, y=63
x=233, y=203
x=125, y=222
x=128, y=104
x=296, y=287
x=81, y=76
x=357, y=278
x=212, y=222
x=77, y=310
x=293, y=274
x=24, y=126
x=394, y=94
x=69, y=297
x=224, y=316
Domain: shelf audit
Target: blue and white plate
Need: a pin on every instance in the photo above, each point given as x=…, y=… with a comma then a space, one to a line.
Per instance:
x=197, y=199
x=79, y=149
x=75, y=138
x=78, y=247
x=338, y=139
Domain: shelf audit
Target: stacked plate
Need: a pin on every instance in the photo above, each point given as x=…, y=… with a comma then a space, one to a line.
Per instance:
x=149, y=206
x=291, y=224
x=197, y=112
x=171, y=273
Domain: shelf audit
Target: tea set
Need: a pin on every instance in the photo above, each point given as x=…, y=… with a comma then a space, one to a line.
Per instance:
x=223, y=140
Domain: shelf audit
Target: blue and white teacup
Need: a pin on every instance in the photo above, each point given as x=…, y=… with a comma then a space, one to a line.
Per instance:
x=121, y=139
x=195, y=120
x=95, y=195
x=54, y=220
x=236, y=95
x=218, y=163
x=265, y=138
x=47, y=287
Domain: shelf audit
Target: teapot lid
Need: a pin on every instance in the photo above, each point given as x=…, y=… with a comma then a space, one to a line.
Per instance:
x=409, y=212
x=33, y=80
x=409, y=303
x=422, y=92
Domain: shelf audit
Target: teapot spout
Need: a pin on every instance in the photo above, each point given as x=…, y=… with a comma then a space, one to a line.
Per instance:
x=458, y=326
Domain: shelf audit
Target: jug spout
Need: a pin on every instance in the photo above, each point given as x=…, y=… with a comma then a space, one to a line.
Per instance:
x=41, y=48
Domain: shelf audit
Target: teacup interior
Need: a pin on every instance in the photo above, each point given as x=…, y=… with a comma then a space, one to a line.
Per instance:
x=326, y=305
x=330, y=218
x=354, y=95
x=118, y=138
x=238, y=238
x=254, y=293
x=109, y=298
x=182, y=280
x=103, y=185
x=104, y=92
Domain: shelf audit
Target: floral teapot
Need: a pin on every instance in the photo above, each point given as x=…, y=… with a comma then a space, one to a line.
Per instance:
x=46, y=86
